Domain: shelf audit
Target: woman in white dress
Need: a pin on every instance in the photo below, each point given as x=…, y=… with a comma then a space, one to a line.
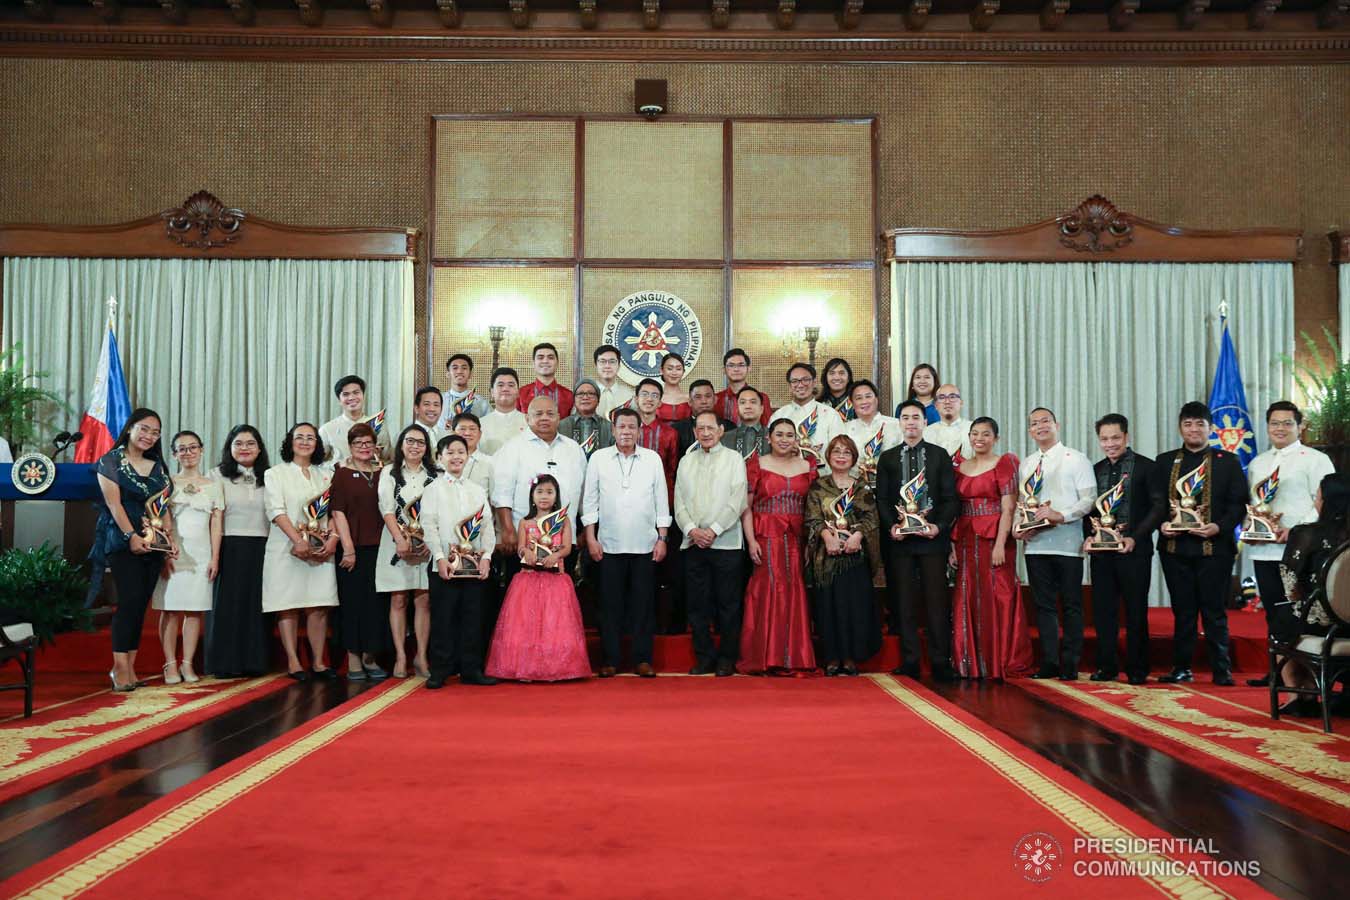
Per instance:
x=184, y=590
x=398, y=571
x=295, y=577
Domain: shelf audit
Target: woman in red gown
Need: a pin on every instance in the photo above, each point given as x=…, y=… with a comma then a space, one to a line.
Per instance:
x=674, y=399
x=989, y=625
x=776, y=634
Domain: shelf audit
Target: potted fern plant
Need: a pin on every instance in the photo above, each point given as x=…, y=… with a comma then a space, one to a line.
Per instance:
x=1325, y=385
x=22, y=403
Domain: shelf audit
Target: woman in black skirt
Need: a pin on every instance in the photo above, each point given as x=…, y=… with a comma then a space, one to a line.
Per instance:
x=236, y=642
x=356, y=515
x=842, y=557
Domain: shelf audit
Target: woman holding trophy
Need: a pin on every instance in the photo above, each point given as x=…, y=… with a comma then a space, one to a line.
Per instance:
x=843, y=552
x=355, y=507
x=132, y=533
x=298, y=572
x=401, y=565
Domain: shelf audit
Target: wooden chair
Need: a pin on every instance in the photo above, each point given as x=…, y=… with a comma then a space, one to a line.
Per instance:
x=1326, y=656
x=17, y=642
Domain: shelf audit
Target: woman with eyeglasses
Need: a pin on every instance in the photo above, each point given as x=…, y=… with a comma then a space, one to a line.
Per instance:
x=184, y=590
x=357, y=520
x=236, y=644
x=399, y=569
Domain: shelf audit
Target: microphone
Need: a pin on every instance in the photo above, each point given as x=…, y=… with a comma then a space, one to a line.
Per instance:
x=64, y=440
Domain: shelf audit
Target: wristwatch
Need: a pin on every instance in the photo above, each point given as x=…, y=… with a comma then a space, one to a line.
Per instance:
x=661, y=538
x=126, y=535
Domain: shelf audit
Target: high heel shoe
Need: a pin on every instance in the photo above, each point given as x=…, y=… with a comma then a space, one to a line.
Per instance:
x=120, y=688
x=190, y=676
x=171, y=675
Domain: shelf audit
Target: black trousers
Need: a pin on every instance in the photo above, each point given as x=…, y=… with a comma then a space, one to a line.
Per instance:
x=1280, y=619
x=921, y=578
x=135, y=575
x=1199, y=585
x=1121, y=579
x=671, y=611
x=627, y=604
x=456, y=641
x=1056, y=579
x=712, y=581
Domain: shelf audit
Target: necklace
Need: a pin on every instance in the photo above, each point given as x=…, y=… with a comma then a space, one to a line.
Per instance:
x=626, y=477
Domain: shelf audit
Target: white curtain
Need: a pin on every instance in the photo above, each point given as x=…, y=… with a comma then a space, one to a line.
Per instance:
x=212, y=343
x=1085, y=339
x=1344, y=309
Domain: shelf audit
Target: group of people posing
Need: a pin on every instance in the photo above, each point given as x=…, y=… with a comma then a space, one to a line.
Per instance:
x=770, y=529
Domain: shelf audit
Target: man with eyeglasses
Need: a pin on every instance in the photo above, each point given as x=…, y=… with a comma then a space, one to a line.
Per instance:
x=614, y=393
x=951, y=431
x=1301, y=469
x=817, y=423
x=736, y=366
x=586, y=425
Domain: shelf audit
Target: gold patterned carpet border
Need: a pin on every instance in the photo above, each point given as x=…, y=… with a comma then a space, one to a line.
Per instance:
x=142, y=710
x=82, y=875
x=1072, y=809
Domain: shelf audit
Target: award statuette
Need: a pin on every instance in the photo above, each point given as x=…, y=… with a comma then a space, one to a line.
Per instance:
x=846, y=410
x=410, y=523
x=589, y=444
x=1188, y=513
x=837, y=511
x=376, y=422
x=913, y=493
x=1030, y=502
x=867, y=469
x=550, y=526
x=156, y=535
x=1105, y=532
x=1261, y=523
x=464, y=559
x=314, y=528
x=806, y=436
x=463, y=404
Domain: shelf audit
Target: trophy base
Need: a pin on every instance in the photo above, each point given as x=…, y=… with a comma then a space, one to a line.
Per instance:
x=316, y=543
x=158, y=543
x=1257, y=537
x=465, y=565
x=1187, y=521
x=1104, y=546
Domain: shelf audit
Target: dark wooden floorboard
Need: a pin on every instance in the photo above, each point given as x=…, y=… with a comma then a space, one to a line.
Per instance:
x=37, y=825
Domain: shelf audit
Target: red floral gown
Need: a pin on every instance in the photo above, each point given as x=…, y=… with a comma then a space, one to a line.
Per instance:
x=989, y=625
x=776, y=632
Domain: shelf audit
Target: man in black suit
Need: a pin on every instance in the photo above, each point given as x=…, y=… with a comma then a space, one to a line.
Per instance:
x=1123, y=575
x=917, y=563
x=1198, y=564
x=702, y=398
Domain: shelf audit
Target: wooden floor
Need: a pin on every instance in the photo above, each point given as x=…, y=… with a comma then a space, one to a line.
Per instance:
x=1300, y=856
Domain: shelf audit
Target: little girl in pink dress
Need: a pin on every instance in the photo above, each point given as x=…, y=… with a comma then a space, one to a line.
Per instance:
x=539, y=634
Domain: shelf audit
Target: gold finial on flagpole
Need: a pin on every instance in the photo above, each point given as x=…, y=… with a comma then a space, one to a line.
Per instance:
x=112, y=312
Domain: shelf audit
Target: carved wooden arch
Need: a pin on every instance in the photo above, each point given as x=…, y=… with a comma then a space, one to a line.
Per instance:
x=204, y=228
x=1094, y=231
x=1340, y=248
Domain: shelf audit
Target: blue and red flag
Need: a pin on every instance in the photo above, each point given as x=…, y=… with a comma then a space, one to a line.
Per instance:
x=109, y=404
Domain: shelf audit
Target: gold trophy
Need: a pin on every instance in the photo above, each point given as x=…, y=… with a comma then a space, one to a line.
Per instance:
x=1262, y=524
x=806, y=433
x=314, y=528
x=837, y=512
x=155, y=534
x=1030, y=503
x=464, y=559
x=542, y=547
x=1106, y=535
x=867, y=469
x=909, y=508
x=410, y=523
x=1188, y=513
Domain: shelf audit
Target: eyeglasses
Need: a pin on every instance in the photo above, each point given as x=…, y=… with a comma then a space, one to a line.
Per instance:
x=411, y=442
x=1281, y=423
x=363, y=445
x=245, y=445
x=649, y=395
x=804, y=379
x=187, y=448
x=580, y=394
x=943, y=398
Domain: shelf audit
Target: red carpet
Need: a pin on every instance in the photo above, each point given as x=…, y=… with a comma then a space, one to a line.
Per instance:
x=76, y=735
x=678, y=787
x=1226, y=731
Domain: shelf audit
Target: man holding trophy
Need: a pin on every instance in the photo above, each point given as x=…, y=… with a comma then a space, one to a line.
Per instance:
x=917, y=504
x=1119, y=545
x=1206, y=492
x=1057, y=490
x=1282, y=483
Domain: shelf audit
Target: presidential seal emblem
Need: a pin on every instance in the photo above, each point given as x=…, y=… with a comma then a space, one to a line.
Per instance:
x=645, y=327
x=1037, y=856
x=33, y=473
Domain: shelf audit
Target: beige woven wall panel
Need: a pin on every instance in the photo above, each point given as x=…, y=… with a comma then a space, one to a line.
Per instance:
x=535, y=305
x=802, y=190
x=653, y=190
x=504, y=189
x=769, y=305
x=701, y=289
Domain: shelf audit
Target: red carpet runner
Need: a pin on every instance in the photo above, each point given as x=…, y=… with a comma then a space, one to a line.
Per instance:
x=1227, y=731
x=681, y=787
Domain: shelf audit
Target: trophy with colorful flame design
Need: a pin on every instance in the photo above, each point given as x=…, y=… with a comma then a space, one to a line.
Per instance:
x=376, y=422
x=589, y=444
x=1262, y=524
x=806, y=438
x=846, y=410
x=156, y=533
x=1031, y=503
x=463, y=404
x=411, y=524
x=463, y=558
x=837, y=512
x=550, y=526
x=871, y=452
x=1188, y=512
x=913, y=504
x=315, y=525
x=1105, y=532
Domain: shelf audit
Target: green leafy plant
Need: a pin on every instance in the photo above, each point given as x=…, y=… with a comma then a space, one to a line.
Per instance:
x=46, y=589
x=1325, y=384
x=20, y=401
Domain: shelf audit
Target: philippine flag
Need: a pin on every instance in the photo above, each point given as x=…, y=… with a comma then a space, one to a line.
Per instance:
x=109, y=405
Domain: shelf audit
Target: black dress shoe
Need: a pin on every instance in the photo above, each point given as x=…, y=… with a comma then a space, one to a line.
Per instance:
x=1177, y=676
x=1224, y=679
x=1263, y=681
x=703, y=668
x=909, y=669
x=1103, y=675
x=944, y=674
x=476, y=678
x=435, y=682
x=1303, y=707
x=832, y=670
x=606, y=672
x=302, y=675
x=645, y=670
x=1046, y=672
x=849, y=669
x=726, y=668
x=1138, y=679
x=328, y=674
x=1069, y=674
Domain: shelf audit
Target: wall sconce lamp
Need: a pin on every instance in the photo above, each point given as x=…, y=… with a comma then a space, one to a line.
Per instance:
x=792, y=343
x=496, y=334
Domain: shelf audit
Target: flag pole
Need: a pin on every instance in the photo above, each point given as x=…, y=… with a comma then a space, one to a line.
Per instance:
x=112, y=313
